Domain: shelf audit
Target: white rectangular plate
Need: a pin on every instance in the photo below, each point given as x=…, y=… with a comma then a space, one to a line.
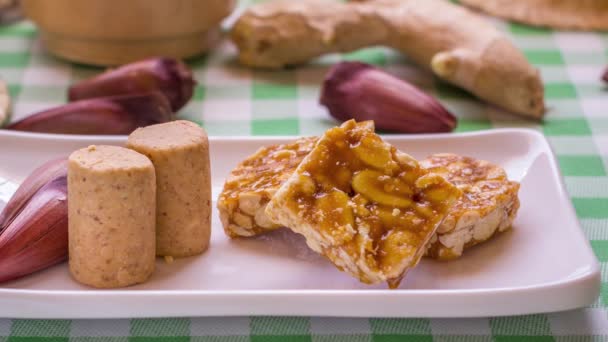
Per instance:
x=543, y=264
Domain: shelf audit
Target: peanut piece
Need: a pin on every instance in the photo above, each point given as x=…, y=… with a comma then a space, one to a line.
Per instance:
x=371, y=184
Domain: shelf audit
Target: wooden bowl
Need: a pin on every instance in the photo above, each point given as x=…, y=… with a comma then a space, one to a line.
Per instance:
x=112, y=32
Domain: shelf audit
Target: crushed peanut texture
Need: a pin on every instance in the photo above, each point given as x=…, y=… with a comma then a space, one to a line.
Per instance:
x=489, y=203
x=366, y=206
x=253, y=182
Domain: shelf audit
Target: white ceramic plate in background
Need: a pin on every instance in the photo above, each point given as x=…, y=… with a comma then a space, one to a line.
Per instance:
x=544, y=264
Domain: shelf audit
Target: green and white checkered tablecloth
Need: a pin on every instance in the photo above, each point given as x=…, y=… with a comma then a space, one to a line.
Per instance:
x=231, y=100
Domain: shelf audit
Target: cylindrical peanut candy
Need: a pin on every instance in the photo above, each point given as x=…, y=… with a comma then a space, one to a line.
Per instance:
x=179, y=151
x=111, y=214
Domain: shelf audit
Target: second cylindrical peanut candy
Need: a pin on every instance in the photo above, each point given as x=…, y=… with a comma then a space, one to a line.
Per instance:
x=179, y=151
x=111, y=202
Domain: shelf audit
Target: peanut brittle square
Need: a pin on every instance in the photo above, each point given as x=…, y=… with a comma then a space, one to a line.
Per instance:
x=253, y=182
x=363, y=204
x=488, y=206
